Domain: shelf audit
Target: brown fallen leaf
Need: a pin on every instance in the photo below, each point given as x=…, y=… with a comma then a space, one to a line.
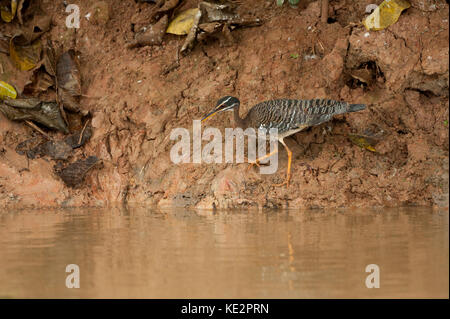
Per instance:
x=9, y=12
x=26, y=147
x=80, y=137
x=152, y=36
x=212, y=12
x=45, y=113
x=70, y=102
x=182, y=23
x=36, y=27
x=57, y=150
x=4, y=44
x=213, y=19
x=49, y=59
x=10, y=74
x=363, y=75
x=362, y=141
x=164, y=7
x=24, y=54
x=73, y=175
x=40, y=82
x=190, y=39
x=211, y=29
x=68, y=73
x=26, y=8
x=7, y=91
x=68, y=80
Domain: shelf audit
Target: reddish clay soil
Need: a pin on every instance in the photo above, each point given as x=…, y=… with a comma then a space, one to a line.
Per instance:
x=134, y=106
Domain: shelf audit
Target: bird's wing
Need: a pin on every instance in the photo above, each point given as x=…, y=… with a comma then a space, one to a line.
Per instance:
x=286, y=115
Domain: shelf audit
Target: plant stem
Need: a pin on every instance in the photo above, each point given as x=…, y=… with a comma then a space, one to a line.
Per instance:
x=324, y=11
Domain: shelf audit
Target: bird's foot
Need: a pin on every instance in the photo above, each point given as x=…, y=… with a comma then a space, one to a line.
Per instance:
x=251, y=164
x=286, y=182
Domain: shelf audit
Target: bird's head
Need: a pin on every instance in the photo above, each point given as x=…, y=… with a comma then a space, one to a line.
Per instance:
x=226, y=103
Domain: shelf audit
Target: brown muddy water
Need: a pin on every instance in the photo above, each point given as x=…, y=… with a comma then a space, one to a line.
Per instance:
x=143, y=253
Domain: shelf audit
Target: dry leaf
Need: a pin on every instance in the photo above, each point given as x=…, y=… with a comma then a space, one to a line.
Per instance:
x=363, y=141
x=68, y=79
x=70, y=102
x=167, y=5
x=75, y=140
x=8, y=14
x=363, y=75
x=190, y=39
x=37, y=26
x=217, y=12
x=386, y=14
x=212, y=18
x=24, y=55
x=68, y=73
x=7, y=91
x=40, y=82
x=183, y=22
x=49, y=59
x=74, y=174
x=20, y=8
x=10, y=74
x=57, y=150
x=45, y=113
x=4, y=44
x=152, y=36
x=26, y=147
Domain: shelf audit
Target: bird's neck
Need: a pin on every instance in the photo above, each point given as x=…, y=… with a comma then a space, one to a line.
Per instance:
x=239, y=122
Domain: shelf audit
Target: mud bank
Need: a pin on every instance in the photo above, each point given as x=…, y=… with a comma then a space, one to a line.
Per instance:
x=135, y=103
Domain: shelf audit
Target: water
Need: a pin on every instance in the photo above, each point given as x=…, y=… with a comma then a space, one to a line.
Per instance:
x=143, y=253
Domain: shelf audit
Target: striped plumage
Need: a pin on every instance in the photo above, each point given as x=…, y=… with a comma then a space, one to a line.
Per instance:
x=288, y=116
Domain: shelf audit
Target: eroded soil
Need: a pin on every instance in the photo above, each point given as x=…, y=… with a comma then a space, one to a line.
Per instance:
x=135, y=99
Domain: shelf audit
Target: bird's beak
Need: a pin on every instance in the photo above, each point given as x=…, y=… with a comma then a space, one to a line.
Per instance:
x=212, y=113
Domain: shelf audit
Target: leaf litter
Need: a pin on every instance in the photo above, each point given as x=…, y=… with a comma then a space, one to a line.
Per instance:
x=44, y=72
x=196, y=23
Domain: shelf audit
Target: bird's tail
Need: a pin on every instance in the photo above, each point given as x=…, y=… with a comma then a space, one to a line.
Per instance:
x=356, y=107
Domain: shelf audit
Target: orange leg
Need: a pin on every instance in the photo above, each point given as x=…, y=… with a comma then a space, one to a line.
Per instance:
x=288, y=173
x=256, y=162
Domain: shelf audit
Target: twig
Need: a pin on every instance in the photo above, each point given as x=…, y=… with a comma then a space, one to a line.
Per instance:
x=321, y=45
x=32, y=125
x=174, y=65
x=82, y=132
x=60, y=105
x=324, y=17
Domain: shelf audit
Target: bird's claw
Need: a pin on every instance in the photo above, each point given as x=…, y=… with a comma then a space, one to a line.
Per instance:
x=286, y=182
x=251, y=164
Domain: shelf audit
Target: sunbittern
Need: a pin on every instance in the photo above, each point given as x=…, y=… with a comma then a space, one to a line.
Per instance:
x=288, y=116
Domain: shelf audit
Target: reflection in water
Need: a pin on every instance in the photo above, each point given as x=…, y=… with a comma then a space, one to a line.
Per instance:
x=143, y=253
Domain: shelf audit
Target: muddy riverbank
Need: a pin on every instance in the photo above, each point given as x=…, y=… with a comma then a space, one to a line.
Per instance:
x=135, y=101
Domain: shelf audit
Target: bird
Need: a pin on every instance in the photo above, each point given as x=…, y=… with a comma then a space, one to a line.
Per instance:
x=288, y=116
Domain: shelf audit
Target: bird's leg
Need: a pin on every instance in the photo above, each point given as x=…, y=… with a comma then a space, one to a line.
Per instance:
x=288, y=173
x=256, y=162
